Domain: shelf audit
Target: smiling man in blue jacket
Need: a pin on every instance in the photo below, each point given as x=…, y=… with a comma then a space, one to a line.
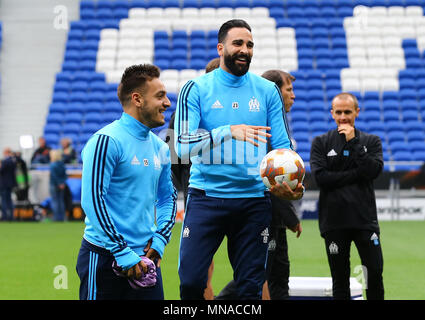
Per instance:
x=222, y=121
x=127, y=193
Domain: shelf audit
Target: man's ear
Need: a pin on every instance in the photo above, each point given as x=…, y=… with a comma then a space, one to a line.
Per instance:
x=220, y=49
x=137, y=99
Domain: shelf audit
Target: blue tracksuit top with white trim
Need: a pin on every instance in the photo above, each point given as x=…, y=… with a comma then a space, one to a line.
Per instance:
x=127, y=193
x=206, y=108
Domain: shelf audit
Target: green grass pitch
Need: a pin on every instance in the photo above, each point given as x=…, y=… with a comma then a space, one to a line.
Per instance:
x=37, y=260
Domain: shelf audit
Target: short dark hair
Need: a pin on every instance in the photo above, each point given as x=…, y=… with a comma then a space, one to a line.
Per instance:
x=278, y=77
x=344, y=96
x=135, y=77
x=234, y=23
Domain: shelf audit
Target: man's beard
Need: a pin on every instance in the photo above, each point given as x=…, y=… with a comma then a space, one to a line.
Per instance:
x=237, y=69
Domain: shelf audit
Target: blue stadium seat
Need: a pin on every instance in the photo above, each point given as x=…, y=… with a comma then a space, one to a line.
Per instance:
x=371, y=115
x=414, y=63
x=52, y=139
x=408, y=94
x=303, y=146
x=311, y=12
x=414, y=125
x=299, y=126
x=74, y=117
x=88, y=14
x=71, y=128
x=104, y=4
x=295, y=12
x=392, y=105
x=92, y=117
x=421, y=91
x=418, y=156
x=396, y=136
x=75, y=107
x=62, y=86
x=112, y=107
x=390, y=115
x=54, y=117
x=416, y=135
x=416, y=146
x=402, y=156
x=54, y=128
x=317, y=116
x=207, y=4
x=177, y=53
x=110, y=116
x=338, y=43
x=179, y=64
x=407, y=84
x=301, y=137
x=179, y=43
x=390, y=95
x=298, y=115
x=163, y=64
x=197, y=64
x=96, y=107
x=277, y=12
x=99, y=86
x=90, y=128
x=394, y=126
x=372, y=105
x=410, y=115
x=409, y=105
x=378, y=125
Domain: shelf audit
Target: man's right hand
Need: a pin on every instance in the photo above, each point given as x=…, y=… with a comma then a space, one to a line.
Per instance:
x=249, y=133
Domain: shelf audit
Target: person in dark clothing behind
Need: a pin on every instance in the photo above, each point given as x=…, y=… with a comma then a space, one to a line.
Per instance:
x=181, y=171
x=345, y=162
x=7, y=183
x=57, y=185
x=41, y=154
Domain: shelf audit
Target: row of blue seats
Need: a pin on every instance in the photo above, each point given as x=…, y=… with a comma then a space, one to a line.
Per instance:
x=330, y=22
x=127, y=4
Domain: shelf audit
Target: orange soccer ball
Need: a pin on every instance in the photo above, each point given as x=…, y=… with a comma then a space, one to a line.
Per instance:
x=282, y=165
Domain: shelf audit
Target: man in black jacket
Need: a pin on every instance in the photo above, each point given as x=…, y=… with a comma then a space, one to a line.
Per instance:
x=344, y=163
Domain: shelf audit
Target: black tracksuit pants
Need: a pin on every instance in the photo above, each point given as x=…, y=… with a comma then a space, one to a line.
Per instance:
x=338, y=244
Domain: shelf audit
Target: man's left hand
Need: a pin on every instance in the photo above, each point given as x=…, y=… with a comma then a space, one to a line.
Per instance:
x=152, y=253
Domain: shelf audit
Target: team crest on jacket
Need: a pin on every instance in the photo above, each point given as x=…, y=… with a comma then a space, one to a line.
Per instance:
x=254, y=105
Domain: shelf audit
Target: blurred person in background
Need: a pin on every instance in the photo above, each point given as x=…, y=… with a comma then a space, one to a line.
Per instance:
x=345, y=162
x=68, y=152
x=22, y=178
x=57, y=185
x=7, y=183
x=41, y=154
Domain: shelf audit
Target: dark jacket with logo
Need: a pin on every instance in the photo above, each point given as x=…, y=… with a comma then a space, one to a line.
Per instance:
x=344, y=172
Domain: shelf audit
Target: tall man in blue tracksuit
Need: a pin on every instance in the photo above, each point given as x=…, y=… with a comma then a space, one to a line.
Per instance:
x=223, y=119
x=127, y=193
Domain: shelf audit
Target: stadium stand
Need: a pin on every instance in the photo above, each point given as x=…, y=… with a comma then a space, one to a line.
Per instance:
x=373, y=49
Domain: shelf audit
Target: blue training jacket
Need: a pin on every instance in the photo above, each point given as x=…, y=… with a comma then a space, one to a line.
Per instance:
x=127, y=193
x=206, y=108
